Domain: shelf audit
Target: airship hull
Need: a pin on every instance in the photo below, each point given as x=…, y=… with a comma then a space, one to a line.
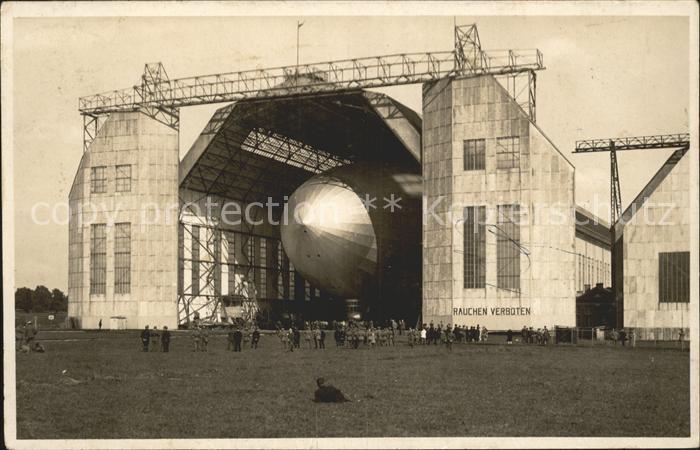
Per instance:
x=354, y=232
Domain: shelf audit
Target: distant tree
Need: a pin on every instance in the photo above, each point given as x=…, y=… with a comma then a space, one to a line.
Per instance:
x=59, y=301
x=23, y=299
x=41, y=300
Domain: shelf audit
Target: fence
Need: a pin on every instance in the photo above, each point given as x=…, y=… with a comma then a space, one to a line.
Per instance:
x=635, y=337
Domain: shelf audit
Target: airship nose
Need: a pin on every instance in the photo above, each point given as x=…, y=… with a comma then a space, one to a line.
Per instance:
x=329, y=237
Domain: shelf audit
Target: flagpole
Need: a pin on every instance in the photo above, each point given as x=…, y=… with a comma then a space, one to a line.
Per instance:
x=297, y=66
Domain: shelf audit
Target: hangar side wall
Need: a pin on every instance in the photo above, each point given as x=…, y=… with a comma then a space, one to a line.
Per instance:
x=437, y=194
x=662, y=224
x=147, y=214
x=541, y=184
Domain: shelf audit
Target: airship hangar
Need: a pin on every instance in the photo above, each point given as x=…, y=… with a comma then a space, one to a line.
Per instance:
x=463, y=214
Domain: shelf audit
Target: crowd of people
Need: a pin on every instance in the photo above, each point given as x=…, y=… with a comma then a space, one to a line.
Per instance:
x=538, y=336
x=154, y=341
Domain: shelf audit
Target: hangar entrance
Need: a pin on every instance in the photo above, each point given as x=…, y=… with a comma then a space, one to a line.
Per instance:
x=234, y=184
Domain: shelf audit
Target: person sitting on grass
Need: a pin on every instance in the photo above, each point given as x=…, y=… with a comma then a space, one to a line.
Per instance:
x=38, y=348
x=326, y=393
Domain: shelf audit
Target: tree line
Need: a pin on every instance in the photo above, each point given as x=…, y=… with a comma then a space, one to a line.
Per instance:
x=40, y=299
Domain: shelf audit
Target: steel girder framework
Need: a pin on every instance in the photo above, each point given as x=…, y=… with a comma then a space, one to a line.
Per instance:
x=160, y=98
x=241, y=145
x=663, y=141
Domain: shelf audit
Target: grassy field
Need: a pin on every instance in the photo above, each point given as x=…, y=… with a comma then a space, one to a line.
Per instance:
x=476, y=390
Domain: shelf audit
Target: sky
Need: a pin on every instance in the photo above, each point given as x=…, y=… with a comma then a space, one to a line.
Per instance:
x=605, y=77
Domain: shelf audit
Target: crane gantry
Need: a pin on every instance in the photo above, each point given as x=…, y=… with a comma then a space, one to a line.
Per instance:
x=613, y=145
x=160, y=97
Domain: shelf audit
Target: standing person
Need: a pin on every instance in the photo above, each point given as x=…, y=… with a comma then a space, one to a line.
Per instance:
x=99, y=325
x=196, y=339
x=622, y=337
x=423, y=335
x=19, y=337
x=484, y=334
x=478, y=333
x=30, y=333
x=438, y=335
x=290, y=338
x=307, y=337
x=284, y=338
x=237, y=339
x=545, y=335
x=229, y=340
x=336, y=336
x=317, y=337
x=297, y=337
x=322, y=339
x=256, y=338
x=205, y=339
x=155, y=339
x=509, y=337
x=356, y=337
x=165, y=340
x=633, y=338
x=448, y=337
x=372, y=338
x=145, y=338
x=523, y=334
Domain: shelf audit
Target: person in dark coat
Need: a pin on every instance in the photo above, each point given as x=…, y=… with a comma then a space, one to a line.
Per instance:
x=297, y=337
x=255, y=339
x=237, y=338
x=165, y=340
x=326, y=393
x=322, y=341
x=145, y=338
x=509, y=336
x=622, y=336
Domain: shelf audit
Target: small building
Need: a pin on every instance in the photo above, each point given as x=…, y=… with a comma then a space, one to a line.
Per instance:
x=596, y=307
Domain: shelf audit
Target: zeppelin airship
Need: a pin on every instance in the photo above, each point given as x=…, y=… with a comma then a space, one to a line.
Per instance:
x=355, y=233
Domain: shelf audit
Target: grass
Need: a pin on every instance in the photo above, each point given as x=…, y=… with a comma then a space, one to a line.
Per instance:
x=476, y=390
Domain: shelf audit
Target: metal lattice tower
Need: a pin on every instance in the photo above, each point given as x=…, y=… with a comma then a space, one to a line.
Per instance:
x=614, y=145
